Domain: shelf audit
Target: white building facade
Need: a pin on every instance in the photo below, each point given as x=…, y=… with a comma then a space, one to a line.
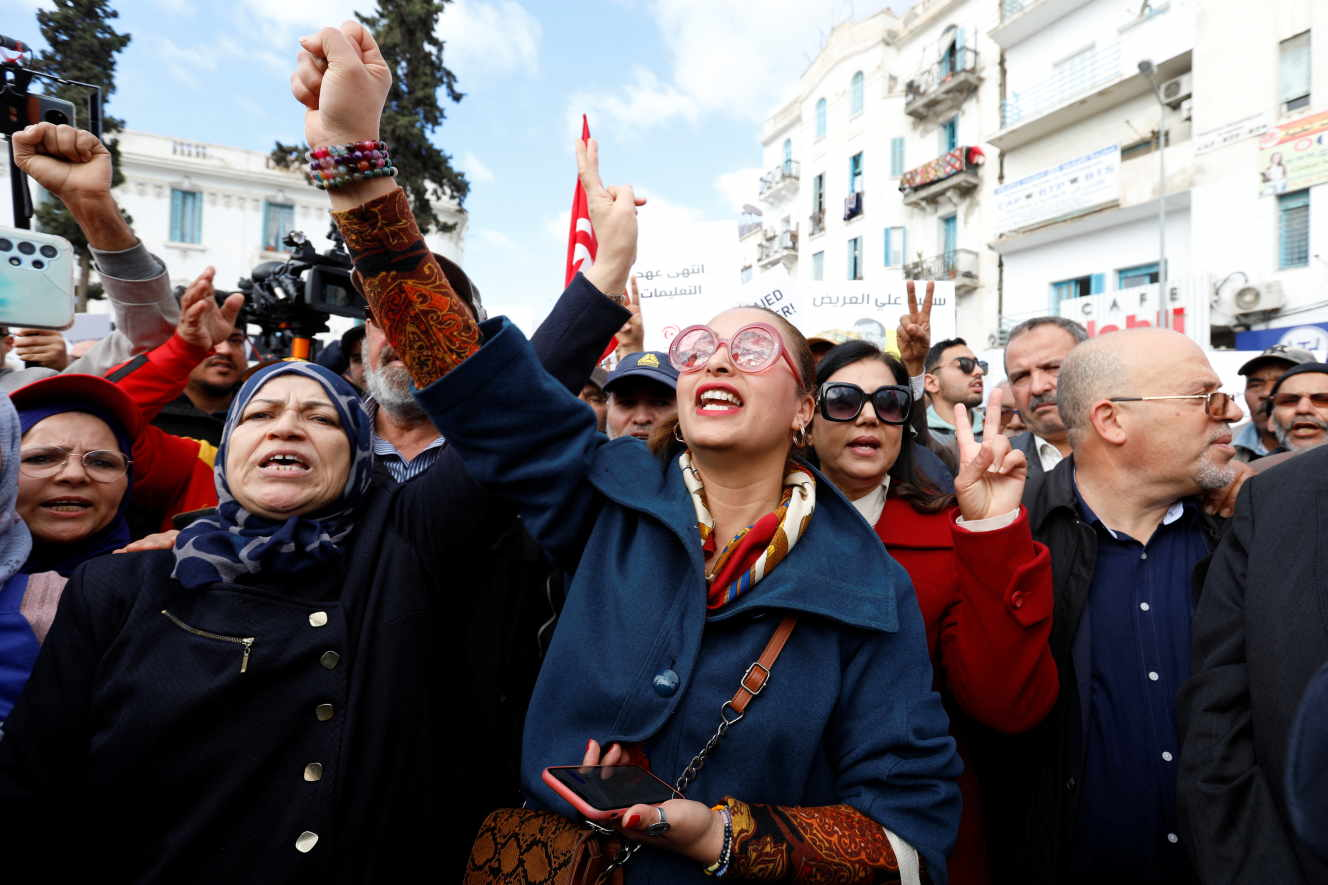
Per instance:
x=197, y=204
x=876, y=165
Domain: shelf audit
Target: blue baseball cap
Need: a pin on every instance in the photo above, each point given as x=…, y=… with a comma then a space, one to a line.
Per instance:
x=648, y=364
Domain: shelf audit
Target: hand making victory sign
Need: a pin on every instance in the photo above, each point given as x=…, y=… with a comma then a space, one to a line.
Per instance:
x=914, y=335
x=613, y=217
x=991, y=473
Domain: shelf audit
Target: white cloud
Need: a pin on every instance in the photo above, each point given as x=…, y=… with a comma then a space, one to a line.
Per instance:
x=475, y=170
x=739, y=187
x=309, y=14
x=556, y=226
x=185, y=63
x=643, y=103
x=725, y=56
x=494, y=238
x=497, y=37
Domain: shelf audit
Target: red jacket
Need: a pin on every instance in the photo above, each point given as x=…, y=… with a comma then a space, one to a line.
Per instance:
x=986, y=601
x=172, y=474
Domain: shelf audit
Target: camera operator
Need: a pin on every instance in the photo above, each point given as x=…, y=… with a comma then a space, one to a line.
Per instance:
x=75, y=168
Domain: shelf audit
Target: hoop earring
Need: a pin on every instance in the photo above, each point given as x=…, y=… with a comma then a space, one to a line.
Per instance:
x=677, y=434
x=800, y=437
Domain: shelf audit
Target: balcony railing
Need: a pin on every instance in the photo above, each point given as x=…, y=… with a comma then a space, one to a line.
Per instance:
x=747, y=228
x=954, y=173
x=943, y=85
x=959, y=265
x=780, y=178
x=1073, y=78
x=853, y=205
x=777, y=247
x=817, y=222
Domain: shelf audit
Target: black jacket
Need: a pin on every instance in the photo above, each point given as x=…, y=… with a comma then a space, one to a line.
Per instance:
x=1025, y=443
x=1260, y=633
x=147, y=739
x=179, y=756
x=1032, y=779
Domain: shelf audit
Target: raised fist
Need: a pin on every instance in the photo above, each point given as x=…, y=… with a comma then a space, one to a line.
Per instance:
x=342, y=80
x=72, y=164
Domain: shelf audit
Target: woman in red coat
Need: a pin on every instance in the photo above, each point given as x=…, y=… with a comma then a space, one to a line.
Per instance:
x=983, y=584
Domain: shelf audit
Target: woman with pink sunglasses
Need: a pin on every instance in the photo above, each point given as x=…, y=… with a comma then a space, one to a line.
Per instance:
x=731, y=564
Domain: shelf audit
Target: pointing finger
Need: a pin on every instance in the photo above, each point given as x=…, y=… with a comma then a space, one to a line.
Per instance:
x=963, y=427
x=991, y=424
x=587, y=165
x=912, y=291
x=926, y=304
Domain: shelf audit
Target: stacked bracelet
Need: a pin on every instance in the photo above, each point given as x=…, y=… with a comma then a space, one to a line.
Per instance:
x=721, y=866
x=337, y=165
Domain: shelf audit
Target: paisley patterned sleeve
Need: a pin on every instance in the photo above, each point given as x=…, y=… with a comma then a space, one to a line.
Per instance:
x=832, y=843
x=430, y=327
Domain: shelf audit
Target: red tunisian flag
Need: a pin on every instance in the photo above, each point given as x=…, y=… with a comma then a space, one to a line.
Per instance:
x=581, y=244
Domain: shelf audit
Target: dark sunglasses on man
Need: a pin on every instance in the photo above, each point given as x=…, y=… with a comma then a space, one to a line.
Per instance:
x=967, y=364
x=842, y=401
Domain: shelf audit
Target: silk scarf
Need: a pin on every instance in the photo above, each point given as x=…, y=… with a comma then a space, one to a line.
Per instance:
x=752, y=553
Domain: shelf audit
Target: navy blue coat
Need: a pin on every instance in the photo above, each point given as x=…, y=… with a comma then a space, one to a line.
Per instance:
x=849, y=715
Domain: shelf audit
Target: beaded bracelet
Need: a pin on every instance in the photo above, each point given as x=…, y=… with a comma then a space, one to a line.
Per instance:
x=721, y=866
x=337, y=165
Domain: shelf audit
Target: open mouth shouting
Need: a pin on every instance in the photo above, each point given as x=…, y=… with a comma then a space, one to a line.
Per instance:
x=717, y=399
x=67, y=506
x=284, y=464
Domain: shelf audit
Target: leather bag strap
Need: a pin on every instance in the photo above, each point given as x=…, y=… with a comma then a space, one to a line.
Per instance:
x=758, y=674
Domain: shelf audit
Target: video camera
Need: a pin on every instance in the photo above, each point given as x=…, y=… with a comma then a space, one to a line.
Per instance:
x=20, y=108
x=293, y=298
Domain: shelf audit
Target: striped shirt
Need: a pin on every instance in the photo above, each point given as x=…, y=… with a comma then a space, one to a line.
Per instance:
x=386, y=454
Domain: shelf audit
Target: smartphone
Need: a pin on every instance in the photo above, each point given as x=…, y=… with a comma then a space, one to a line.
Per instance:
x=36, y=280
x=601, y=792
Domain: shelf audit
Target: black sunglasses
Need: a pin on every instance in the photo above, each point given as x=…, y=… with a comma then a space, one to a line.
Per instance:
x=842, y=401
x=967, y=364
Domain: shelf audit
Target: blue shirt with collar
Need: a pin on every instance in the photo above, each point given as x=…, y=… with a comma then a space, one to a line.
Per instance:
x=1132, y=655
x=393, y=461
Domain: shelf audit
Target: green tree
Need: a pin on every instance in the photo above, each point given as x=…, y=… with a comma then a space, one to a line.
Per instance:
x=81, y=45
x=407, y=32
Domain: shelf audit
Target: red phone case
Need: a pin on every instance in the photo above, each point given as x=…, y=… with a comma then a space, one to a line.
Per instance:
x=590, y=812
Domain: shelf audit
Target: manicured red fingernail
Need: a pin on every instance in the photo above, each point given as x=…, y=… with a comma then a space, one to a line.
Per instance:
x=588, y=744
x=632, y=821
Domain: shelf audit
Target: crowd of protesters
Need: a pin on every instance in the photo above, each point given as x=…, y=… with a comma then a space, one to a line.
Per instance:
x=298, y=622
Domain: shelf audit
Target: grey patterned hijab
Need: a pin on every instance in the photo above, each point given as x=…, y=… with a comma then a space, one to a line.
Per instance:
x=236, y=542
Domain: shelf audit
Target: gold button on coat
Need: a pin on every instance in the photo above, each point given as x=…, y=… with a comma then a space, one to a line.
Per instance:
x=330, y=659
x=313, y=772
x=305, y=842
x=323, y=712
x=318, y=619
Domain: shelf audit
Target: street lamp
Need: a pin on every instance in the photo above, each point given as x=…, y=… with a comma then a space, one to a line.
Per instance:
x=1147, y=68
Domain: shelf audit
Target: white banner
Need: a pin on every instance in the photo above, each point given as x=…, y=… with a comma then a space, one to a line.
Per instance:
x=870, y=311
x=1135, y=309
x=1074, y=186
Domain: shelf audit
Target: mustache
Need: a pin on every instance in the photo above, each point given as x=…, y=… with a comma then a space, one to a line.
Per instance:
x=1041, y=399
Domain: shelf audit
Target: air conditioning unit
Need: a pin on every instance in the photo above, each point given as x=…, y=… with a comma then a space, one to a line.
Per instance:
x=1256, y=298
x=1177, y=90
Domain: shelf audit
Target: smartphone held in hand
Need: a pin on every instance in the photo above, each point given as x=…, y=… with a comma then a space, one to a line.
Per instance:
x=36, y=280
x=602, y=792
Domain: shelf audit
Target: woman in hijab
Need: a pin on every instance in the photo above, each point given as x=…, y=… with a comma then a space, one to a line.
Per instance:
x=269, y=697
x=74, y=472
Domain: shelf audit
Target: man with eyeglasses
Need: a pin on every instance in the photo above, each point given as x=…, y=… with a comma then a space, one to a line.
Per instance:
x=1299, y=402
x=1091, y=792
x=953, y=375
x=1255, y=438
